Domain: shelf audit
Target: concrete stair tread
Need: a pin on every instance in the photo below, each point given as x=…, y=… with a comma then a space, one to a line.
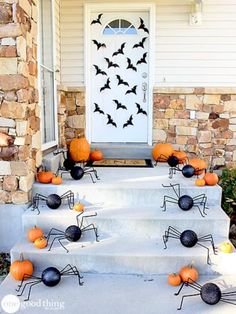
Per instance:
x=115, y=294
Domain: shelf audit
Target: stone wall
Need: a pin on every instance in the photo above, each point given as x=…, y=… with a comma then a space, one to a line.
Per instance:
x=19, y=108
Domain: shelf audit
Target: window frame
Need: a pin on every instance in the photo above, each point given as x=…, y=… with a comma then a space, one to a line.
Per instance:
x=48, y=145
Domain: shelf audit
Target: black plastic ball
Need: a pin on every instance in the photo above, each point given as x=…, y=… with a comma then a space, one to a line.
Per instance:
x=51, y=276
x=210, y=293
x=68, y=164
x=73, y=233
x=53, y=201
x=77, y=173
x=185, y=202
x=188, y=171
x=188, y=238
x=173, y=161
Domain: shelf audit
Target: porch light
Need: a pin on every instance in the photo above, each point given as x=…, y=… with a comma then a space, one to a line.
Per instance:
x=195, y=17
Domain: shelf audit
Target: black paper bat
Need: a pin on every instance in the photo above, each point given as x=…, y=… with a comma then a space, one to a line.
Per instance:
x=129, y=122
x=99, y=71
x=130, y=65
x=106, y=86
x=140, y=110
x=143, y=59
x=111, y=121
x=141, y=43
x=120, y=50
x=111, y=64
x=98, y=109
x=121, y=82
x=132, y=90
x=99, y=45
x=119, y=105
x=142, y=26
x=98, y=20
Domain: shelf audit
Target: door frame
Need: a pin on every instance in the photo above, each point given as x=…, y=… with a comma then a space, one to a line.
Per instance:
x=88, y=9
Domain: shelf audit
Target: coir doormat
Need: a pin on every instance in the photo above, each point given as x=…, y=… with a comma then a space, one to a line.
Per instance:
x=132, y=163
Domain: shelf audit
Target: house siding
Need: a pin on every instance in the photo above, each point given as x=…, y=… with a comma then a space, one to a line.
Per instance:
x=185, y=55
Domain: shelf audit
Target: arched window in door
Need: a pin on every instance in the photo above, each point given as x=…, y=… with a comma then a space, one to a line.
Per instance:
x=119, y=27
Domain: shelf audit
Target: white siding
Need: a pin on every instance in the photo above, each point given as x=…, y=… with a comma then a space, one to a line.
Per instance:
x=57, y=40
x=185, y=55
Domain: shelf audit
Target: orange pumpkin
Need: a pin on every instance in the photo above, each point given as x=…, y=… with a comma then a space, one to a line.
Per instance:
x=161, y=152
x=57, y=180
x=19, y=268
x=79, y=207
x=199, y=164
x=34, y=234
x=211, y=178
x=182, y=156
x=45, y=176
x=174, y=280
x=40, y=243
x=96, y=155
x=200, y=182
x=79, y=149
x=187, y=273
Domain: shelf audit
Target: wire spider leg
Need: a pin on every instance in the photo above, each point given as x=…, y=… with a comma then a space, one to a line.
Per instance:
x=87, y=228
x=203, y=200
x=69, y=196
x=59, y=240
x=172, y=171
x=91, y=169
x=209, y=238
x=168, y=199
x=51, y=232
x=32, y=283
x=26, y=276
x=60, y=237
x=90, y=176
x=68, y=268
x=198, y=207
x=208, y=253
x=186, y=296
x=70, y=271
x=36, y=200
x=82, y=220
x=170, y=233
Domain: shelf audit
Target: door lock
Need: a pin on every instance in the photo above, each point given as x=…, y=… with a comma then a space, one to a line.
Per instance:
x=144, y=88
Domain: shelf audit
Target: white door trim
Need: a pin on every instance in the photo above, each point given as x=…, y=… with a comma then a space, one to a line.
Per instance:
x=103, y=7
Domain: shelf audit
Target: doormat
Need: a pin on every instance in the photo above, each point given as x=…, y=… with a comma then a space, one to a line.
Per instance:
x=131, y=163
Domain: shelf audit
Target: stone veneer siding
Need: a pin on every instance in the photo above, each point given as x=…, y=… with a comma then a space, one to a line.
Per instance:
x=19, y=108
x=197, y=120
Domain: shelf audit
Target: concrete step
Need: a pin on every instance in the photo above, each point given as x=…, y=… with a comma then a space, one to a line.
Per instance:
x=123, y=255
x=146, y=221
x=129, y=187
x=113, y=294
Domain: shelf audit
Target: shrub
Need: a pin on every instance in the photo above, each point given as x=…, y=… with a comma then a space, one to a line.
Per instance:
x=228, y=184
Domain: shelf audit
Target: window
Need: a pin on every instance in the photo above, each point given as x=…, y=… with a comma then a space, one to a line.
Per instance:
x=120, y=27
x=47, y=75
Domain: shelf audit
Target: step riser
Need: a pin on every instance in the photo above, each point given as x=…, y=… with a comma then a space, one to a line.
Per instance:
x=126, y=197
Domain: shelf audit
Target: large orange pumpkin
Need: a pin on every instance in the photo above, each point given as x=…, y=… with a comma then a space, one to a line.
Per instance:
x=211, y=178
x=34, y=234
x=96, y=155
x=182, y=156
x=161, y=152
x=79, y=149
x=19, y=268
x=198, y=164
x=187, y=273
x=45, y=176
x=174, y=280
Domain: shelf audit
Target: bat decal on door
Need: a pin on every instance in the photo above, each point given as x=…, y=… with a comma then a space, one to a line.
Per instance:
x=106, y=86
x=130, y=65
x=129, y=122
x=99, y=71
x=111, y=64
x=140, y=110
x=99, y=45
x=141, y=43
x=98, y=20
x=98, y=109
x=143, y=59
x=132, y=90
x=142, y=26
x=111, y=121
x=120, y=50
x=119, y=105
x=121, y=82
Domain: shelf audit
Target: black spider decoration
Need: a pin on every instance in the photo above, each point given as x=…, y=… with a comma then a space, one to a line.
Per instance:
x=72, y=233
x=189, y=238
x=68, y=163
x=53, y=201
x=172, y=161
x=50, y=277
x=185, y=202
x=188, y=171
x=210, y=293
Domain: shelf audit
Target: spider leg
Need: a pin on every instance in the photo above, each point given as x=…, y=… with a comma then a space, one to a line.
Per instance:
x=227, y=301
x=208, y=253
x=203, y=200
x=198, y=207
x=177, y=193
x=91, y=169
x=69, y=196
x=92, y=228
x=168, y=199
x=32, y=283
x=51, y=232
x=209, y=238
x=70, y=271
x=172, y=171
x=91, y=177
x=186, y=296
x=170, y=233
x=82, y=220
x=58, y=238
x=36, y=199
x=26, y=276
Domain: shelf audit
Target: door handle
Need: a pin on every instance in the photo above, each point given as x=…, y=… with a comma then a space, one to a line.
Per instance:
x=144, y=88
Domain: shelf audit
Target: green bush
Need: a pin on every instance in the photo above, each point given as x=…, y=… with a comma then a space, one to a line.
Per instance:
x=4, y=264
x=228, y=184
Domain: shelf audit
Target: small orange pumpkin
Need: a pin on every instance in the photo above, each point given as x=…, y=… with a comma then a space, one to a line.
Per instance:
x=200, y=182
x=187, y=273
x=34, y=233
x=161, y=152
x=79, y=207
x=79, y=149
x=45, y=176
x=174, y=280
x=57, y=180
x=211, y=178
x=96, y=155
x=198, y=164
x=22, y=267
x=182, y=156
x=40, y=243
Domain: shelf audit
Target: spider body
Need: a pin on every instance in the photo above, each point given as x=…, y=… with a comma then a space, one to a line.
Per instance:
x=189, y=239
x=72, y=233
x=173, y=161
x=185, y=202
x=210, y=293
x=50, y=277
x=77, y=173
x=53, y=201
x=187, y=171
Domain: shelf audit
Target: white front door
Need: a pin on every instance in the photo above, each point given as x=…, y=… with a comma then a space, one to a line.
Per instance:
x=119, y=78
